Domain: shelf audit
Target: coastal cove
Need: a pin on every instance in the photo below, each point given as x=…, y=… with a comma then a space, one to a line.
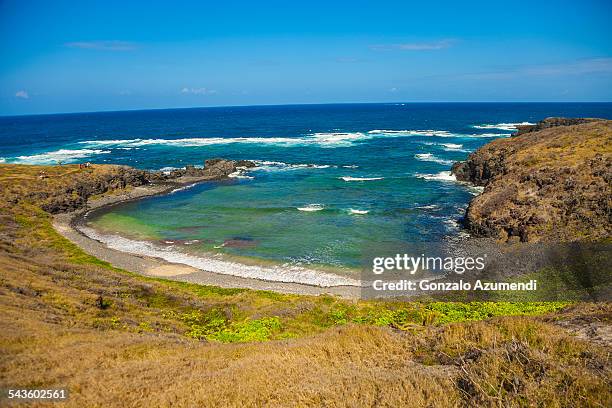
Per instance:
x=160, y=258
x=70, y=226
x=312, y=203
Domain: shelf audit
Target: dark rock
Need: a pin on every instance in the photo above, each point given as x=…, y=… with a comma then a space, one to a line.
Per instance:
x=552, y=122
x=74, y=195
x=239, y=243
x=245, y=163
x=220, y=168
x=552, y=182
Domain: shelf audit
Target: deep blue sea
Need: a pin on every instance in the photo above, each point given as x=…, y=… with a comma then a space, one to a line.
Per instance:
x=331, y=179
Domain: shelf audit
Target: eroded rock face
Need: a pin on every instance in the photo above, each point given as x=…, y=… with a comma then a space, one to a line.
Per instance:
x=551, y=183
x=75, y=194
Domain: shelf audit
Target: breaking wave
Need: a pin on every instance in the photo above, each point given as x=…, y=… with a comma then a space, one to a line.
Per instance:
x=503, y=126
x=62, y=155
x=321, y=139
x=440, y=133
x=347, y=178
x=312, y=207
x=280, y=273
x=431, y=158
x=276, y=165
x=489, y=135
x=441, y=176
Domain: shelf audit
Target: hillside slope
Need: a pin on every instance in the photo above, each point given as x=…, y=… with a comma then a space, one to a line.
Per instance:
x=550, y=182
x=117, y=339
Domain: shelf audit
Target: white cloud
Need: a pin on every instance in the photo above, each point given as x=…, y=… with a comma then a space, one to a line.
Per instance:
x=394, y=89
x=579, y=67
x=198, y=91
x=22, y=94
x=103, y=45
x=419, y=46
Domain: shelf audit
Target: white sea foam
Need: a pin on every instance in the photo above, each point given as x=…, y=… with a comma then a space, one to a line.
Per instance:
x=442, y=176
x=275, y=166
x=322, y=139
x=503, y=126
x=489, y=135
x=192, y=142
x=348, y=178
x=312, y=207
x=63, y=155
x=2, y=160
x=167, y=170
x=431, y=158
x=187, y=187
x=451, y=146
x=475, y=190
x=216, y=264
x=428, y=207
x=358, y=212
x=241, y=173
x=451, y=224
x=352, y=166
x=336, y=139
x=428, y=132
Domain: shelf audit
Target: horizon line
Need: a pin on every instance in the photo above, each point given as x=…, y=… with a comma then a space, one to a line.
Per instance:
x=300, y=104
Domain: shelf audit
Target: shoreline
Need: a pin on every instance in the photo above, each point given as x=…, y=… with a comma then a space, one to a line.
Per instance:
x=66, y=224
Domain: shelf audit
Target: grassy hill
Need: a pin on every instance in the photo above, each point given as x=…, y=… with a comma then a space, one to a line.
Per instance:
x=114, y=338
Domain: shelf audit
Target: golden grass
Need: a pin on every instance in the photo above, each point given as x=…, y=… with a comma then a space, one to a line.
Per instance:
x=503, y=362
x=116, y=339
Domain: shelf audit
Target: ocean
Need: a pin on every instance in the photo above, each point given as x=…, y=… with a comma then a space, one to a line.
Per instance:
x=330, y=181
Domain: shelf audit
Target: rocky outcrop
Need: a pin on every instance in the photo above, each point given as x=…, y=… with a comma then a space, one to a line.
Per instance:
x=552, y=182
x=222, y=168
x=84, y=183
x=74, y=195
x=552, y=122
x=213, y=169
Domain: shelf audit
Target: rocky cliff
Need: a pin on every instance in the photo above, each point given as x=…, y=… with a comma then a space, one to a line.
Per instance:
x=551, y=181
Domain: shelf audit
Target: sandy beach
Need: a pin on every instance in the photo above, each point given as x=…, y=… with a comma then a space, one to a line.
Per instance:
x=66, y=223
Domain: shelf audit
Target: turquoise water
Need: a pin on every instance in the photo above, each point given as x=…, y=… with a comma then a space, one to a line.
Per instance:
x=331, y=181
x=298, y=215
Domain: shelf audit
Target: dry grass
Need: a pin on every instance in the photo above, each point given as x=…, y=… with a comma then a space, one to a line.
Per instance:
x=503, y=362
x=116, y=339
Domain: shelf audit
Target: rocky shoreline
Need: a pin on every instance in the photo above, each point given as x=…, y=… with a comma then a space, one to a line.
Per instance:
x=549, y=182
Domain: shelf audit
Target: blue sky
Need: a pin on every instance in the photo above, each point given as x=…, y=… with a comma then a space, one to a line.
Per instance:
x=71, y=56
